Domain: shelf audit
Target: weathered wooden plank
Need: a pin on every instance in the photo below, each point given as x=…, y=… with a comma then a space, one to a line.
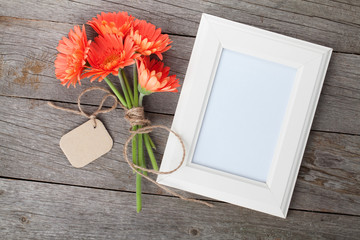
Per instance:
x=27, y=71
x=32, y=128
x=30, y=133
x=47, y=211
x=331, y=163
x=335, y=24
x=326, y=9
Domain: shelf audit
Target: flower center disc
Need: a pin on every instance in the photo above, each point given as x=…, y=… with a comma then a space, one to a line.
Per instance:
x=111, y=61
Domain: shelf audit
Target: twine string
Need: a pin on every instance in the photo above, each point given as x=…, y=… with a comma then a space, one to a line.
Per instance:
x=135, y=117
x=137, y=168
x=97, y=111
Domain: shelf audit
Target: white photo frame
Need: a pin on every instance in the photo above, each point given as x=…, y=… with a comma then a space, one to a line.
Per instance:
x=249, y=95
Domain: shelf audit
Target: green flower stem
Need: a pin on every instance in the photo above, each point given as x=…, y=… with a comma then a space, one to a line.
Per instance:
x=141, y=152
x=148, y=142
x=128, y=105
x=141, y=163
x=122, y=83
x=137, y=154
x=134, y=128
x=143, y=157
x=137, y=101
x=136, y=98
x=134, y=148
x=127, y=86
x=151, y=153
x=138, y=193
x=152, y=144
x=141, y=97
x=135, y=85
x=117, y=93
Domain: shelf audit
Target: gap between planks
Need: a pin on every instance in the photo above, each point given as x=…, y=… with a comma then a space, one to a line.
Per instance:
x=151, y=112
x=160, y=195
x=66, y=102
x=170, y=34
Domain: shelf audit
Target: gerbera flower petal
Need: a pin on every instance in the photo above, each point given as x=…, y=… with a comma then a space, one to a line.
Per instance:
x=153, y=76
x=115, y=23
x=71, y=59
x=149, y=39
x=108, y=53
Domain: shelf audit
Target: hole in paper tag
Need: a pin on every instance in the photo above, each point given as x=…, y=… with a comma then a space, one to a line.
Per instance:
x=86, y=143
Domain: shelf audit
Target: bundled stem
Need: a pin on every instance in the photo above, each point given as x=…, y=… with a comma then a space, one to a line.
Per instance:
x=134, y=147
x=141, y=142
x=134, y=99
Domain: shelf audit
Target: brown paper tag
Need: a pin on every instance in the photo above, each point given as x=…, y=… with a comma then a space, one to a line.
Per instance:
x=85, y=143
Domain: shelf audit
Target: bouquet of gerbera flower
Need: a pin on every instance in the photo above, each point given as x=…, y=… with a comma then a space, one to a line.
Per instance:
x=122, y=41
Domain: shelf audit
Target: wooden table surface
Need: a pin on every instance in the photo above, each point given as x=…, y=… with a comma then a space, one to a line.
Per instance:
x=43, y=197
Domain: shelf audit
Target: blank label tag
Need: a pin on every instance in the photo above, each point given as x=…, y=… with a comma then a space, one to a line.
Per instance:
x=85, y=143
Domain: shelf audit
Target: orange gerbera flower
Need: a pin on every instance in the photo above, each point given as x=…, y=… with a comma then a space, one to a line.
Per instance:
x=149, y=39
x=116, y=23
x=153, y=77
x=70, y=62
x=107, y=54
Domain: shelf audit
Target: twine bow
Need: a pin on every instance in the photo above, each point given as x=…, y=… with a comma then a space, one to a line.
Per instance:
x=134, y=116
x=97, y=111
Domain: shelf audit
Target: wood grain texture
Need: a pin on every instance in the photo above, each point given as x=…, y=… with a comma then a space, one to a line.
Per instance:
x=49, y=199
x=47, y=211
x=28, y=71
x=329, y=172
x=38, y=135
x=322, y=23
x=331, y=163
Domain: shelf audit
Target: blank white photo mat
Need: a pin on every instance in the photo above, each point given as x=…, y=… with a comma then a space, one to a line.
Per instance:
x=244, y=114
